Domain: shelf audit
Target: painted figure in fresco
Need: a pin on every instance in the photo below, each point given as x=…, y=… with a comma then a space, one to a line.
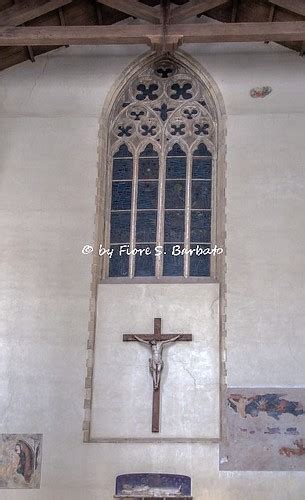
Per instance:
x=273, y=404
x=27, y=460
x=156, y=362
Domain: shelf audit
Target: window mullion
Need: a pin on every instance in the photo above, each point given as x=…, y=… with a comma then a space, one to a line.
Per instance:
x=160, y=216
x=187, y=233
x=133, y=219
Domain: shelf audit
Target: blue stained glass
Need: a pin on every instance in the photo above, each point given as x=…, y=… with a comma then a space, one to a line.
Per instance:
x=147, y=194
x=174, y=226
x=122, y=152
x=201, y=194
x=120, y=227
x=147, y=91
x=146, y=226
x=201, y=226
x=200, y=264
x=173, y=265
x=118, y=264
x=121, y=195
x=182, y=90
x=202, y=168
x=175, y=194
x=175, y=168
x=145, y=264
x=148, y=168
x=176, y=151
x=148, y=151
x=202, y=150
x=122, y=169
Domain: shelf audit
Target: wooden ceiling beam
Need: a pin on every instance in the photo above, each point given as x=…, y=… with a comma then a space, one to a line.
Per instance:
x=135, y=9
x=24, y=11
x=193, y=8
x=152, y=34
x=78, y=35
x=295, y=6
x=240, y=32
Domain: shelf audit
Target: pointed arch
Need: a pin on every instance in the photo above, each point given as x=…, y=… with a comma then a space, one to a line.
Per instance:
x=160, y=102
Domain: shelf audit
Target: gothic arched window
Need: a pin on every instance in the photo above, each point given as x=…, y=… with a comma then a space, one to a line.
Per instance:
x=160, y=203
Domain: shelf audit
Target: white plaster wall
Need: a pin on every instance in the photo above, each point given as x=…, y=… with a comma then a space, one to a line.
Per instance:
x=122, y=384
x=48, y=138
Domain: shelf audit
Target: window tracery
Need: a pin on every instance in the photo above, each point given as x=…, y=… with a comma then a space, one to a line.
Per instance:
x=162, y=146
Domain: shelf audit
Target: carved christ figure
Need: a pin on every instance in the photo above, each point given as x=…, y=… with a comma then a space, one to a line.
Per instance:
x=156, y=362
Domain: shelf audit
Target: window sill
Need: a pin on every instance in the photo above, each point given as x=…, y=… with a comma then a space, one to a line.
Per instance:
x=151, y=280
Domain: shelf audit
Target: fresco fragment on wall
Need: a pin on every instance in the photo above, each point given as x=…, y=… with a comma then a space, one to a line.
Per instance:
x=20, y=460
x=265, y=429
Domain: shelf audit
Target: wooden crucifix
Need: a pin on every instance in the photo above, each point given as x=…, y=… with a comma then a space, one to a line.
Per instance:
x=156, y=342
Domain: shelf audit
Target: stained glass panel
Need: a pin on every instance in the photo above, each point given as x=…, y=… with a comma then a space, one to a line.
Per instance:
x=174, y=226
x=202, y=150
x=201, y=226
x=122, y=169
x=148, y=168
x=146, y=226
x=175, y=167
x=148, y=151
x=145, y=264
x=176, y=151
x=200, y=264
x=122, y=152
x=121, y=195
x=175, y=194
x=202, y=168
x=201, y=194
x=173, y=265
x=118, y=264
x=120, y=227
x=147, y=195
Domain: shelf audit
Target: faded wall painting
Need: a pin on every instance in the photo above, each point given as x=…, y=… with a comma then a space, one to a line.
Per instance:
x=20, y=460
x=265, y=430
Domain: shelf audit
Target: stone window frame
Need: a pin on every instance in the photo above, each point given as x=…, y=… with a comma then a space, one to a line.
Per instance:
x=99, y=224
x=118, y=116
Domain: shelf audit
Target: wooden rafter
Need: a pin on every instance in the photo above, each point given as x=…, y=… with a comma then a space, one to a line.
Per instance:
x=141, y=34
x=29, y=49
x=234, y=11
x=135, y=9
x=24, y=12
x=193, y=8
x=295, y=6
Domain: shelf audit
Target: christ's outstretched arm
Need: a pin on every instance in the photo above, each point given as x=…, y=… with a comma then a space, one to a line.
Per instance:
x=171, y=340
x=141, y=340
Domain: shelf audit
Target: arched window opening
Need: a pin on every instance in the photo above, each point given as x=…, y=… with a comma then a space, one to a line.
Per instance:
x=161, y=179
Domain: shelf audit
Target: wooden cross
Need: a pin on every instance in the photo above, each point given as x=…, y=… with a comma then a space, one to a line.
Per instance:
x=155, y=340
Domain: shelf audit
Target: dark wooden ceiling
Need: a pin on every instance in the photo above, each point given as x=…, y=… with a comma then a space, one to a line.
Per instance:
x=89, y=12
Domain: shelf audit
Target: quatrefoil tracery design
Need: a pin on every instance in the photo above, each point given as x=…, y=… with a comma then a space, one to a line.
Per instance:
x=202, y=129
x=149, y=130
x=147, y=91
x=181, y=91
x=178, y=129
x=125, y=130
x=164, y=102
